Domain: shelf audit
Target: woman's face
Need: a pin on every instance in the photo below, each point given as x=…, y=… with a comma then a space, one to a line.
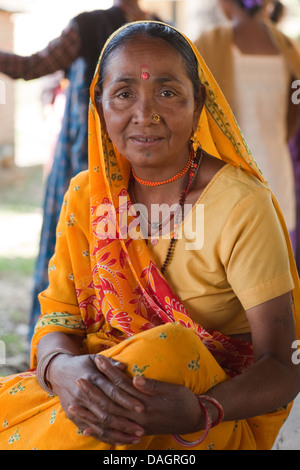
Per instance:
x=145, y=78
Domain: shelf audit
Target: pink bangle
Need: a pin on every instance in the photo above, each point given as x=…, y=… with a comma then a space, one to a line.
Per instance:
x=43, y=365
x=208, y=423
x=217, y=405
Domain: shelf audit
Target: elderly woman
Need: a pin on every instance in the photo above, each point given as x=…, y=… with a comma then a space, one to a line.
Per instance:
x=156, y=338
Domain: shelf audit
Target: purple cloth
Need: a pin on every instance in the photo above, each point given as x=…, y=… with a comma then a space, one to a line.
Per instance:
x=294, y=146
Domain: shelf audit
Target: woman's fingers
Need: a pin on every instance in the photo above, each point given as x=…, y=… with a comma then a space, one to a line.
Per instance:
x=101, y=410
x=119, y=387
x=101, y=404
x=94, y=398
x=157, y=388
x=118, y=364
x=107, y=428
x=111, y=437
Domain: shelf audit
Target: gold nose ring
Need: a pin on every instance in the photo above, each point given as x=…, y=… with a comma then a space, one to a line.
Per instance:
x=156, y=117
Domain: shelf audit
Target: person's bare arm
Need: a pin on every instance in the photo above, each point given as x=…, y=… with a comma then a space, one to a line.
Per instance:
x=58, y=55
x=273, y=381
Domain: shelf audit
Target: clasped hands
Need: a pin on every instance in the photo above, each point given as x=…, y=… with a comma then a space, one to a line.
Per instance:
x=105, y=403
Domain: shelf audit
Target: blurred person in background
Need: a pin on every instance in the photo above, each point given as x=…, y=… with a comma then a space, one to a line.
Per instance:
x=53, y=100
x=255, y=64
x=76, y=52
x=294, y=146
x=277, y=11
x=277, y=14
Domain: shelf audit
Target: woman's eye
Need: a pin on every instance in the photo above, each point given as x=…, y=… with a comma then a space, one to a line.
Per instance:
x=167, y=93
x=124, y=95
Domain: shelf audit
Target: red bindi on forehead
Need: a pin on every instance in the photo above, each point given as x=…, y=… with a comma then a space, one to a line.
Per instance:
x=145, y=75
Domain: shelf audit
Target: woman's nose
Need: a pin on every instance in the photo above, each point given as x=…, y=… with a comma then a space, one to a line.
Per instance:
x=144, y=111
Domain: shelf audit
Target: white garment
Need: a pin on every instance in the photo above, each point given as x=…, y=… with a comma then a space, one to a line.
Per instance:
x=261, y=87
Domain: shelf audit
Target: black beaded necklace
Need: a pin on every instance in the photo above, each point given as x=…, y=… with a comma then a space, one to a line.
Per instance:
x=179, y=214
x=195, y=164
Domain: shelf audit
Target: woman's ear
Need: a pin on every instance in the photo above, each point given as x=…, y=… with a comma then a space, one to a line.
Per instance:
x=199, y=103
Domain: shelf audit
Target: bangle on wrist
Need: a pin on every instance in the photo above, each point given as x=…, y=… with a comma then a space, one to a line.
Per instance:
x=217, y=405
x=43, y=364
x=207, y=415
x=208, y=421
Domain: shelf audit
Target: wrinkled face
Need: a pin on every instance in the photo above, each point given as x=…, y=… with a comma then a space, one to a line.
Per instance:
x=148, y=102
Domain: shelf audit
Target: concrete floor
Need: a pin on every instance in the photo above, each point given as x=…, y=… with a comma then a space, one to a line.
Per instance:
x=289, y=437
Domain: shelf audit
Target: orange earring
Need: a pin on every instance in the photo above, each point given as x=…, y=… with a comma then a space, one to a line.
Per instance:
x=195, y=143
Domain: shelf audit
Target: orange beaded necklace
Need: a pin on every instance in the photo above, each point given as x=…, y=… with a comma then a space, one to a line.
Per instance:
x=170, y=180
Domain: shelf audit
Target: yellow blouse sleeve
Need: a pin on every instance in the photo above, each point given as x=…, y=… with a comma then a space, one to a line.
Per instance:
x=254, y=252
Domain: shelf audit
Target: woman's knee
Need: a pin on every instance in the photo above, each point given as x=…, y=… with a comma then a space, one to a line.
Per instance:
x=170, y=353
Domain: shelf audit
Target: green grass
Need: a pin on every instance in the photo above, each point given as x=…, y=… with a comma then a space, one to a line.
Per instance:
x=18, y=265
x=12, y=343
x=23, y=192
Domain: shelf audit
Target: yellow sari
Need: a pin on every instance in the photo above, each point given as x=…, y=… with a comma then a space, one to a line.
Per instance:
x=116, y=298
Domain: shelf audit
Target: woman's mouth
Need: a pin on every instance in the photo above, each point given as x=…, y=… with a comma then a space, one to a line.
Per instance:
x=145, y=140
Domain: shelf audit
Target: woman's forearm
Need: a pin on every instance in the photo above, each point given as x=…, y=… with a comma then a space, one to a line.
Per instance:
x=266, y=386
x=57, y=340
x=58, y=55
x=54, y=342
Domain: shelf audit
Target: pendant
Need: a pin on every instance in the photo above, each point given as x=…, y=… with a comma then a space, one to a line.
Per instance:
x=155, y=225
